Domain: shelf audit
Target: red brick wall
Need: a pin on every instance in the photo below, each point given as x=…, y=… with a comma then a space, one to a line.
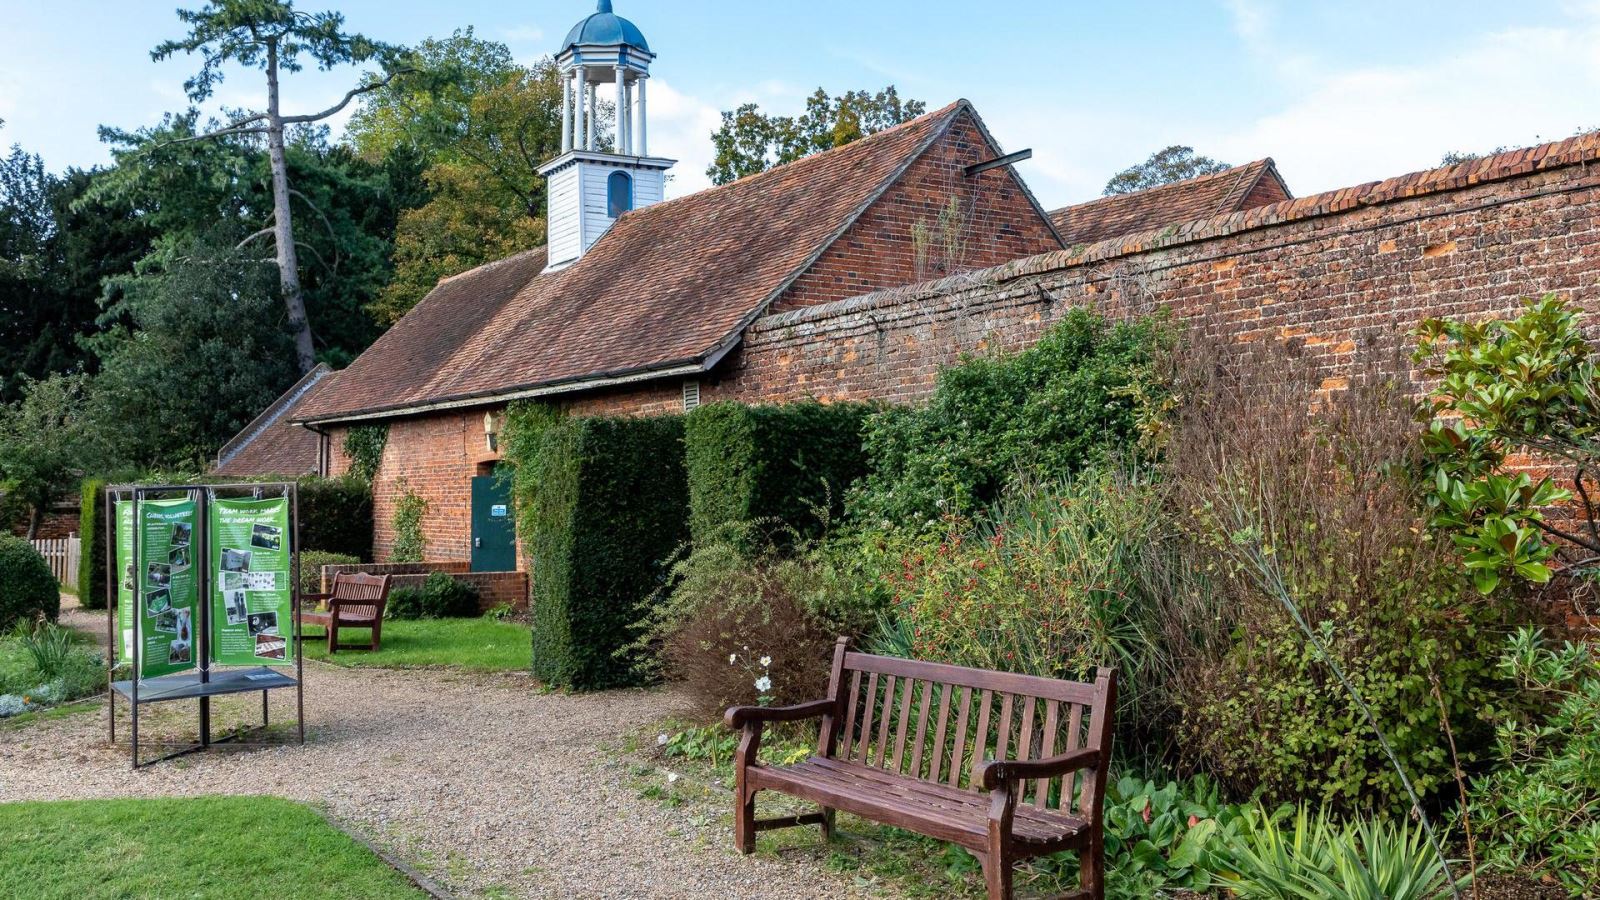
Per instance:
x=494, y=588
x=997, y=223
x=437, y=455
x=1335, y=277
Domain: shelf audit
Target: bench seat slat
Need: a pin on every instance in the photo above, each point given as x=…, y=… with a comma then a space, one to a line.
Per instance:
x=942, y=812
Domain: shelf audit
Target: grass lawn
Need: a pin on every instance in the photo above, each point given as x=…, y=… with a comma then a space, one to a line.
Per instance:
x=473, y=645
x=215, y=847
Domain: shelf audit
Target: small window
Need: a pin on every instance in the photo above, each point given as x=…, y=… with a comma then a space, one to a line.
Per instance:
x=691, y=395
x=619, y=194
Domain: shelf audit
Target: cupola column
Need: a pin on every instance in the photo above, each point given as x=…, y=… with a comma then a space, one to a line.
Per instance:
x=566, y=114
x=577, y=98
x=640, y=146
x=622, y=109
x=594, y=108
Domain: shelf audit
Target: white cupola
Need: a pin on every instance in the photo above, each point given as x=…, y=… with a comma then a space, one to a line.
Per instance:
x=604, y=55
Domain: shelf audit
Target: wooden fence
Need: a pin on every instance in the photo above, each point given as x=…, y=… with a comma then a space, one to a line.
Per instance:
x=63, y=555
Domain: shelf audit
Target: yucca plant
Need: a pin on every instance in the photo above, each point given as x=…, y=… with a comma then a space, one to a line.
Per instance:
x=50, y=645
x=1314, y=857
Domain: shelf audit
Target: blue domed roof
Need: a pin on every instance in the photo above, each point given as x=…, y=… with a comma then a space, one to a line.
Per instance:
x=605, y=27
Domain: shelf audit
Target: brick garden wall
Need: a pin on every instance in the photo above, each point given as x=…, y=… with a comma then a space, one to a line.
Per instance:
x=1334, y=271
x=494, y=588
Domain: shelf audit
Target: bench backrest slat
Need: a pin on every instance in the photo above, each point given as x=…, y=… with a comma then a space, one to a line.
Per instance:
x=882, y=703
x=977, y=679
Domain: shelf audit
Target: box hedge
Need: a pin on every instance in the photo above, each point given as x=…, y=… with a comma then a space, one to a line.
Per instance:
x=608, y=510
x=335, y=517
x=790, y=464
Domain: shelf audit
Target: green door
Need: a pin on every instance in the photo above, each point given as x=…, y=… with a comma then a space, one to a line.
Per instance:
x=494, y=533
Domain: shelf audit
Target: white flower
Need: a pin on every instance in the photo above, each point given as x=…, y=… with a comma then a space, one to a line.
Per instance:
x=766, y=661
x=661, y=740
x=763, y=684
x=671, y=777
x=733, y=658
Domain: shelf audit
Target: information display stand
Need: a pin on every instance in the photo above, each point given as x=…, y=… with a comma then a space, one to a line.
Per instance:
x=203, y=600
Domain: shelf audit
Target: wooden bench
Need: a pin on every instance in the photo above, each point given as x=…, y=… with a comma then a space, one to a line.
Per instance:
x=356, y=601
x=1008, y=766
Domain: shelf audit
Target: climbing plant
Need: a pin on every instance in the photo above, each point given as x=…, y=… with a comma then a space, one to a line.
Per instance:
x=409, y=542
x=364, y=446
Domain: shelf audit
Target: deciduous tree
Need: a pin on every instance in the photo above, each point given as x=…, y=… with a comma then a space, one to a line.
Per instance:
x=752, y=141
x=1169, y=164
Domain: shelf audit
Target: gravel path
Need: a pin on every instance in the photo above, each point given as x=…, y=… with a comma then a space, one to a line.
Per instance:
x=488, y=786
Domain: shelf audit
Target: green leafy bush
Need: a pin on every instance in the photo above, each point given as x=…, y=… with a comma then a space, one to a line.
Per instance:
x=790, y=465
x=1507, y=389
x=1538, y=810
x=1160, y=838
x=409, y=541
x=446, y=597
x=27, y=589
x=1044, y=583
x=404, y=603
x=441, y=596
x=608, y=509
x=742, y=626
x=1085, y=388
x=1278, y=518
x=311, y=563
x=1315, y=857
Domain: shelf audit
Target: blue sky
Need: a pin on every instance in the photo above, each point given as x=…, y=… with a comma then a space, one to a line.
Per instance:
x=1337, y=93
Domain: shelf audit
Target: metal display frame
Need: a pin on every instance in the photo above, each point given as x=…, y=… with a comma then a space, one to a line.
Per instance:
x=208, y=680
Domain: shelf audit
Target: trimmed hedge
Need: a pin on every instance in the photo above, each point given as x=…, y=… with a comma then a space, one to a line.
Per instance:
x=335, y=517
x=92, y=566
x=783, y=464
x=609, y=509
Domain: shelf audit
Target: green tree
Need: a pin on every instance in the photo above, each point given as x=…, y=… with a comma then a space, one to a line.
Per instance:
x=182, y=189
x=485, y=126
x=751, y=141
x=204, y=348
x=41, y=443
x=54, y=252
x=273, y=37
x=1169, y=164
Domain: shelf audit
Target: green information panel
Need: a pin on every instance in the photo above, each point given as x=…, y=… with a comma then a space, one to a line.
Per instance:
x=168, y=600
x=124, y=570
x=252, y=611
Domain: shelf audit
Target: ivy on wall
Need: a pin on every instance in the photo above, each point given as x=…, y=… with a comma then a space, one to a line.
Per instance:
x=364, y=446
x=409, y=542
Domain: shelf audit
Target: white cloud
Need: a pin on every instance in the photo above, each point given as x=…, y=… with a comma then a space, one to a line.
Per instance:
x=1512, y=88
x=680, y=128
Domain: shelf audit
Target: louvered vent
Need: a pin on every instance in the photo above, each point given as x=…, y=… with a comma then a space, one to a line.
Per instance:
x=691, y=395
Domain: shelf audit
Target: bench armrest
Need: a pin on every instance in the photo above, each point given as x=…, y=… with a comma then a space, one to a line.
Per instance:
x=740, y=716
x=994, y=773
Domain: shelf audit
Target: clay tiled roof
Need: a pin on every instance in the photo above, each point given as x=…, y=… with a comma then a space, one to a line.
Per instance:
x=666, y=290
x=271, y=445
x=1231, y=190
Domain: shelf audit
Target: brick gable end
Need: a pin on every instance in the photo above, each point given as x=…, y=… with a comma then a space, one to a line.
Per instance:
x=998, y=223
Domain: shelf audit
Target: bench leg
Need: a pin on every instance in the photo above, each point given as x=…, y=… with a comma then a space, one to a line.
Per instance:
x=997, y=876
x=827, y=824
x=333, y=637
x=1091, y=871
x=744, y=821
